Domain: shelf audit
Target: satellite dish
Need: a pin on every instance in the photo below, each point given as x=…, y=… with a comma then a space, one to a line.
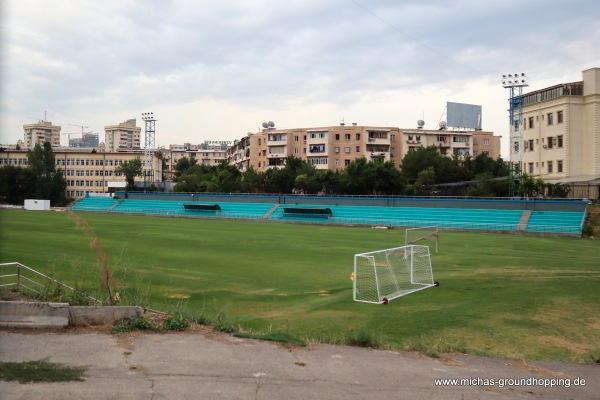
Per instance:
x=442, y=124
x=420, y=123
x=271, y=124
x=249, y=134
x=265, y=125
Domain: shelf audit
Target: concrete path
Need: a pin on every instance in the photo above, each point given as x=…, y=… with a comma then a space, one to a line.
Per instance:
x=208, y=365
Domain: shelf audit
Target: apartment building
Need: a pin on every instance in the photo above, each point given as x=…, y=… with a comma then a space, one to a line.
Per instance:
x=331, y=147
x=449, y=142
x=87, y=171
x=211, y=153
x=561, y=130
x=125, y=135
x=486, y=143
x=40, y=132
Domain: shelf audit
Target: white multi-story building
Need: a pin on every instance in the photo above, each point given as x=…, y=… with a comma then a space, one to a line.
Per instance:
x=125, y=135
x=561, y=130
x=40, y=132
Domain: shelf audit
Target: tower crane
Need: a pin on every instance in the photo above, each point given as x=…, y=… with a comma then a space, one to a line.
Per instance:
x=72, y=133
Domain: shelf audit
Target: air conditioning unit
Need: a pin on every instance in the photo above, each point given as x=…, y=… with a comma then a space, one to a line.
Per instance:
x=545, y=146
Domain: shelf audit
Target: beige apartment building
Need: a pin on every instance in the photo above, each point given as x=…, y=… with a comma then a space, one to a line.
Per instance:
x=87, y=171
x=332, y=147
x=486, y=143
x=40, y=132
x=211, y=153
x=451, y=142
x=125, y=135
x=561, y=130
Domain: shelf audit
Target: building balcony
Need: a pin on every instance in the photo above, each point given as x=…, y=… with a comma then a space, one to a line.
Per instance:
x=276, y=155
x=282, y=142
x=379, y=140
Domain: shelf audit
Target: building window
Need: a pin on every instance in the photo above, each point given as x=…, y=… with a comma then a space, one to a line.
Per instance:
x=347, y=149
x=531, y=145
x=559, y=166
x=337, y=149
x=337, y=162
x=392, y=137
x=559, y=117
x=486, y=141
x=346, y=162
x=358, y=136
x=550, y=167
x=347, y=136
x=549, y=142
x=530, y=122
x=550, y=120
x=337, y=136
x=531, y=168
x=358, y=149
x=559, y=141
x=296, y=138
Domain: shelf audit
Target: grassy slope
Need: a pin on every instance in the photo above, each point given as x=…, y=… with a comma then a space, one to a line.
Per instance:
x=502, y=295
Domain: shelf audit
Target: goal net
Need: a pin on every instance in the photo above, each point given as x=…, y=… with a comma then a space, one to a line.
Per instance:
x=383, y=275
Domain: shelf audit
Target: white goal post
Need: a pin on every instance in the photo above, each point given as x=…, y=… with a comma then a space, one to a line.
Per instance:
x=383, y=275
x=414, y=235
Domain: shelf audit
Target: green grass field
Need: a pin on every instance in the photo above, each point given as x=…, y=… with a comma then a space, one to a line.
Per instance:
x=499, y=295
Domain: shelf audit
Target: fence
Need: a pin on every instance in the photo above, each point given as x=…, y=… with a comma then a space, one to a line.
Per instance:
x=26, y=280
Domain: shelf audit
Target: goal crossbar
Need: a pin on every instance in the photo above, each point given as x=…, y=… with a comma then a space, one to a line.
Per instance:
x=430, y=232
x=383, y=275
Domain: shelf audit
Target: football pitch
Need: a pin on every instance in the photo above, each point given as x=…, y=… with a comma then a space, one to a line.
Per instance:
x=499, y=295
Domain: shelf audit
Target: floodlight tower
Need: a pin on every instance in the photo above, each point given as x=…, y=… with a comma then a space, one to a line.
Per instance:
x=515, y=83
x=150, y=123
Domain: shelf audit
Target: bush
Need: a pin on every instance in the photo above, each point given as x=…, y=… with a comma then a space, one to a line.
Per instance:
x=178, y=322
x=138, y=323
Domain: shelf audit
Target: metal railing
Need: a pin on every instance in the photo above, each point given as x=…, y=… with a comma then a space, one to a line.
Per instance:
x=21, y=278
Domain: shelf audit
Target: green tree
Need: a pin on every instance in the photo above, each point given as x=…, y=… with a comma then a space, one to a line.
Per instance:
x=182, y=165
x=45, y=182
x=252, y=181
x=388, y=179
x=130, y=169
x=531, y=186
x=227, y=178
x=15, y=184
x=419, y=160
x=163, y=163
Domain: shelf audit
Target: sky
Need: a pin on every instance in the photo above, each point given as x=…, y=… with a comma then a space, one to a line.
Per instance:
x=216, y=70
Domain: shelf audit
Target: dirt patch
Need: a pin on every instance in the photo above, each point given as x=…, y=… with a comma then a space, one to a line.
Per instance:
x=178, y=296
x=564, y=343
x=534, y=369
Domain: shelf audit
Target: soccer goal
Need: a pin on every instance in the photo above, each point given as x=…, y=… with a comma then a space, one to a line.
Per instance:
x=383, y=275
x=414, y=235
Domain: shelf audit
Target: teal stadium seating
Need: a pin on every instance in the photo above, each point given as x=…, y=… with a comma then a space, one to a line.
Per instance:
x=449, y=218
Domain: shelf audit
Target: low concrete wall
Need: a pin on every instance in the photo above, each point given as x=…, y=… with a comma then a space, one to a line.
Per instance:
x=102, y=315
x=22, y=314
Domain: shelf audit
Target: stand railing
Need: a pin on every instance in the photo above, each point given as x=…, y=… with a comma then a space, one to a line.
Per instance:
x=21, y=278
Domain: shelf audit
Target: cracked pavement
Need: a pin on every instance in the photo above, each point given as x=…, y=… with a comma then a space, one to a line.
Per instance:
x=211, y=365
